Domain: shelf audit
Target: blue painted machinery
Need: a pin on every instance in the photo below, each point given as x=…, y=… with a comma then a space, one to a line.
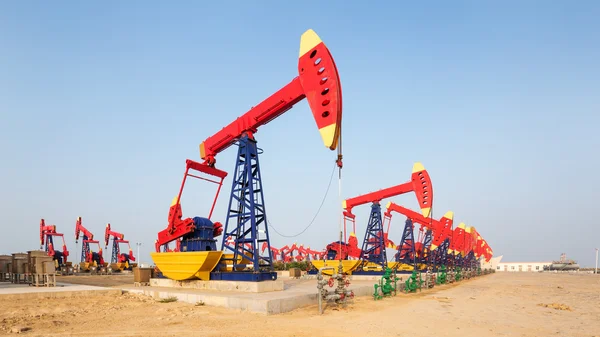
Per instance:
x=373, y=247
x=440, y=255
x=85, y=249
x=469, y=260
x=425, y=255
x=58, y=255
x=458, y=260
x=200, y=240
x=406, y=249
x=246, y=221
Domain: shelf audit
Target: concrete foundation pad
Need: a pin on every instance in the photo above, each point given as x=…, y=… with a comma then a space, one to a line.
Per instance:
x=62, y=290
x=233, y=286
x=296, y=294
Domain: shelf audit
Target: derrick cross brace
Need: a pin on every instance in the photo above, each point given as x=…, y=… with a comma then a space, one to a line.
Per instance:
x=246, y=221
x=373, y=248
x=406, y=249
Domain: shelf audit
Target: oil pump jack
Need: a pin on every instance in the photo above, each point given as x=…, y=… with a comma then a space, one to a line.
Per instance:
x=468, y=249
x=486, y=250
x=471, y=253
x=47, y=234
x=118, y=261
x=433, y=248
x=373, y=255
x=89, y=259
x=246, y=221
x=457, y=245
x=463, y=250
x=276, y=253
x=479, y=250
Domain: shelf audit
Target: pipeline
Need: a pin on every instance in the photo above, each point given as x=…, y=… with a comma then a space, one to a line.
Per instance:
x=430, y=279
x=340, y=295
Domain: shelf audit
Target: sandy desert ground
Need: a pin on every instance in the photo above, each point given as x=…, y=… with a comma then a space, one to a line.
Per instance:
x=501, y=304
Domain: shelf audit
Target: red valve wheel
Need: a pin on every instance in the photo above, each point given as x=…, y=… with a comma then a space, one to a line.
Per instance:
x=347, y=283
x=331, y=281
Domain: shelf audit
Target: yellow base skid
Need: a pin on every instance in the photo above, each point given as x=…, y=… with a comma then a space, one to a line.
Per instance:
x=405, y=267
x=181, y=266
x=401, y=266
x=350, y=265
x=117, y=266
x=347, y=265
x=228, y=262
x=85, y=266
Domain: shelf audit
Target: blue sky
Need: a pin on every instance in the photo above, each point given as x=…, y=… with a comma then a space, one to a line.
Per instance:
x=101, y=104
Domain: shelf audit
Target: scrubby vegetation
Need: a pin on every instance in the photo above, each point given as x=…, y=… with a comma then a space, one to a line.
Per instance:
x=304, y=265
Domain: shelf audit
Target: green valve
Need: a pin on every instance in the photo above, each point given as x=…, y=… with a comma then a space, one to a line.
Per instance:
x=376, y=294
x=386, y=286
x=411, y=285
x=457, y=276
x=442, y=276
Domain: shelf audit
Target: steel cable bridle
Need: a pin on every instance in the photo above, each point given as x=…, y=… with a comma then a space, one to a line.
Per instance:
x=314, y=217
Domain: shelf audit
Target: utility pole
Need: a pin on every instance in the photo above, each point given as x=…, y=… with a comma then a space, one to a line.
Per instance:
x=138, y=244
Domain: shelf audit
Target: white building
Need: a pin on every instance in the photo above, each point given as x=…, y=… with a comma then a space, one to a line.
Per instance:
x=514, y=266
x=494, y=261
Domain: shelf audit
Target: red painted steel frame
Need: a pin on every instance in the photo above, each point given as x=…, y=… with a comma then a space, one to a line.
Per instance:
x=50, y=230
x=376, y=196
x=486, y=251
x=474, y=242
x=190, y=164
x=458, y=242
x=88, y=257
x=108, y=233
x=414, y=216
x=477, y=243
x=119, y=238
x=131, y=256
x=45, y=229
x=179, y=227
x=441, y=229
x=318, y=81
x=420, y=183
x=79, y=228
x=463, y=242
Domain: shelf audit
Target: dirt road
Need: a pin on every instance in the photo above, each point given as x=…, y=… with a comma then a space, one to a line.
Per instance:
x=502, y=304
